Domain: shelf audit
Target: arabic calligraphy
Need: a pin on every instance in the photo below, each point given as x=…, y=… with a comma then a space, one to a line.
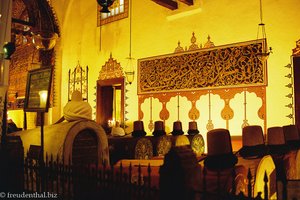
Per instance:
x=224, y=66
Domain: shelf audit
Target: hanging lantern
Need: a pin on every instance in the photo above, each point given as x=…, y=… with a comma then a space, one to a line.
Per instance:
x=129, y=72
x=43, y=35
x=44, y=40
x=8, y=49
x=261, y=33
x=105, y=4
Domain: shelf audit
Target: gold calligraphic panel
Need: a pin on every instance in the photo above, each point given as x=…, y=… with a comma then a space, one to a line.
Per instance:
x=234, y=65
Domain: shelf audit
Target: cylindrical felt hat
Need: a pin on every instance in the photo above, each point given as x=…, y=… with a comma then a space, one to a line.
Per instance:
x=159, y=128
x=275, y=136
x=291, y=133
x=218, y=142
x=219, y=150
x=276, y=141
x=177, y=128
x=253, y=142
x=193, y=128
x=252, y=135
x=138, y=129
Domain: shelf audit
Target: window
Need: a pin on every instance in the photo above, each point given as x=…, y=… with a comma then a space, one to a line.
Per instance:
x=119, y=10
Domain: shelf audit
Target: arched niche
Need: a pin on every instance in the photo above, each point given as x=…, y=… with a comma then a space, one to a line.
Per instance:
x=30, y=16
x=110, y=102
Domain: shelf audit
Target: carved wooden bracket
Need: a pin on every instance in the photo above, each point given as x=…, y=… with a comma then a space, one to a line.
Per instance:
x=188, y=2
x=171, y=4
x=167, y=3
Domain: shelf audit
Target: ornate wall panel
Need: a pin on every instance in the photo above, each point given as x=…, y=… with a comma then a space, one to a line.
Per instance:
x=223, y=70
x=234, y=65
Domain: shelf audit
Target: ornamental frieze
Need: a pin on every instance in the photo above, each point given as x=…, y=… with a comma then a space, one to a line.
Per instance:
x=234, y=65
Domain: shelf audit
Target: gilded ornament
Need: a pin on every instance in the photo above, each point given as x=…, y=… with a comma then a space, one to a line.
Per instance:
x=178, y=48
x=197, y=144
x=151, y=125
x=143, y=149
x=209, y=44
x=193, y=46
x=223, y=66
x=164, y=145
x=194, y=113
x=209, y=125
x=227, y=112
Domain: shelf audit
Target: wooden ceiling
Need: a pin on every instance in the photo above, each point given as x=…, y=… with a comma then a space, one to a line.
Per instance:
x=173, y=4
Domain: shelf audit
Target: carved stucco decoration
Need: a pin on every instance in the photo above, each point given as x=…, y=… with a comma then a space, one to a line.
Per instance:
x=224, y=71
x=260, y=93
x=193, y=96
x=164, y=98
x=111, y=69
x=225, y=66
x=209, y=44
x=193, y=45
x=178, y=48
x=227, y=112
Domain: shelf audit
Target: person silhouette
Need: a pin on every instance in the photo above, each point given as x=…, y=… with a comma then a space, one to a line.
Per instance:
x=76, y=109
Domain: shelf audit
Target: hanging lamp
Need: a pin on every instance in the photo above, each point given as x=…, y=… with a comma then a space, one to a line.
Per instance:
x=129, y=72
x=43, y=38
x=261, y=32
x=8, y=49
x=105, y=4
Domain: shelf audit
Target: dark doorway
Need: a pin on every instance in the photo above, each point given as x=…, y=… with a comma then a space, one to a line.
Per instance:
x=296, y=68
x=110, y=102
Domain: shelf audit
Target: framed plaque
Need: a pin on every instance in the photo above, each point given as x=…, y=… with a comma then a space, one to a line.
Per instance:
x=38, y=90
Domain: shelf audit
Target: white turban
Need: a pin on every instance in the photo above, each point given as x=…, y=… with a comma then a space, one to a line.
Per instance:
x=77, y=109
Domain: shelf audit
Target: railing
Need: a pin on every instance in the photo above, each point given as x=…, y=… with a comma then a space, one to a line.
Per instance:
x=233, y=194
x=88, y=182
x=102, y=182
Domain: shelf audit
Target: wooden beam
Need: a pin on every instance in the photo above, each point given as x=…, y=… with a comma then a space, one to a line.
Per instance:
x=188, y=2
x=19, y=21
x=167, y=3
x=22, y=32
